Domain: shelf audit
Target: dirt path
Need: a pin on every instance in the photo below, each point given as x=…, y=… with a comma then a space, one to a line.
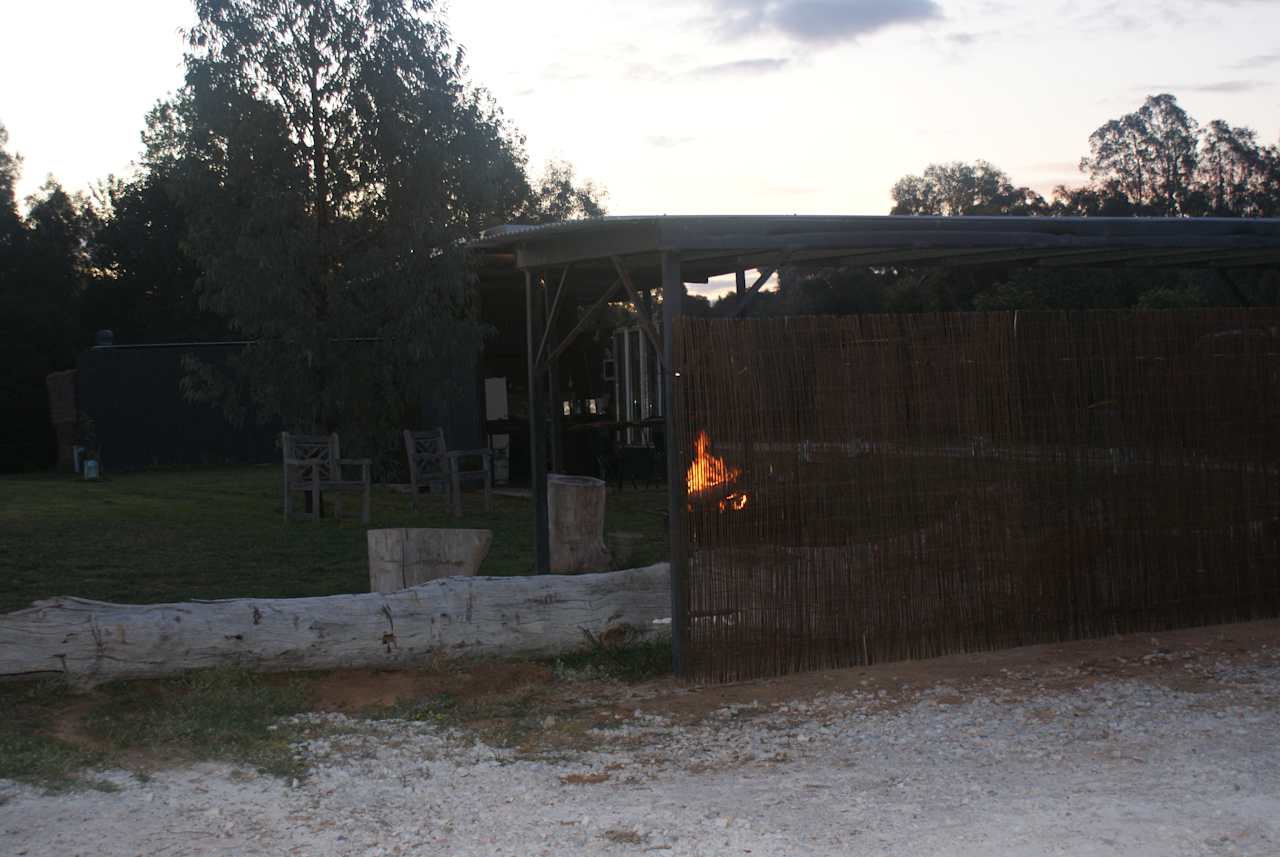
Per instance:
x=1165, y=745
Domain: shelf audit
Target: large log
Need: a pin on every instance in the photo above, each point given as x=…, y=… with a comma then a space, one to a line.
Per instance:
x=89, y=642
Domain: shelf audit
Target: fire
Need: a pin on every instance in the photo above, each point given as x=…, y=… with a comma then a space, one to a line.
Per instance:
x=708, y=471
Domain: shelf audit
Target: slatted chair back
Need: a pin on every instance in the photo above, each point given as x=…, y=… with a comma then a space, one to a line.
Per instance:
x=304, y=453
x=428, y=460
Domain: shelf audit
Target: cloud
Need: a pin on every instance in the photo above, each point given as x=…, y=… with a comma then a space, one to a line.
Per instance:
x=741, y=67
x=1256, y=61
x=1219, y=87
x=820, y=21
x=660, y=142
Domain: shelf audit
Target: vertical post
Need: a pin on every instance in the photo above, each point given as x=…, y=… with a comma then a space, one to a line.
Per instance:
x=537, y=427
x=557, y=417
x=672, y=309
x=557, y=400
x=740, y=284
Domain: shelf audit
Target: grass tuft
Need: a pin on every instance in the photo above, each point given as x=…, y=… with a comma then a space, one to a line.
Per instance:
x=227, y=714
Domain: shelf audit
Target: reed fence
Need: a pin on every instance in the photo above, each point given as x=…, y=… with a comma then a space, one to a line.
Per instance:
x=918, y=485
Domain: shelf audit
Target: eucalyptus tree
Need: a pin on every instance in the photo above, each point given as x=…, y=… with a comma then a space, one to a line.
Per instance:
x=331, y=157
x=1150, y=155
x=959, y=188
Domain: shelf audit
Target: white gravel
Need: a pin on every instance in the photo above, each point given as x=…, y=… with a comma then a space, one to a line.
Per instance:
x=1117, y=767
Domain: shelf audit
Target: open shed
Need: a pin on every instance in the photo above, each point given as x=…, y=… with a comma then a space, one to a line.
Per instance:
x=771, y=590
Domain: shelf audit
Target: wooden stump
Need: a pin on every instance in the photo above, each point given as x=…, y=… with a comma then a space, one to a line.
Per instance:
x=575, y=507
x=404, y=557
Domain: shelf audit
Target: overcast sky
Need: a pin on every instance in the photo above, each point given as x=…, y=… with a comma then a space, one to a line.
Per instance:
x=725, y=106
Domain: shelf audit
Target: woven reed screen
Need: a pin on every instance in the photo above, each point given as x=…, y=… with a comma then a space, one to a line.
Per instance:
x=926, y=484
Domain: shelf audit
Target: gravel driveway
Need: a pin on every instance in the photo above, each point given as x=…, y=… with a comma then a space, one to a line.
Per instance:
x=1171, y=749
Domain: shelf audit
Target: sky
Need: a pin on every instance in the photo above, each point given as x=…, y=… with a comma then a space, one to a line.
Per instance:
x=717, y=106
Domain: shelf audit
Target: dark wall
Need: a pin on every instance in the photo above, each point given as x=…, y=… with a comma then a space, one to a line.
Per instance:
x=141, y=419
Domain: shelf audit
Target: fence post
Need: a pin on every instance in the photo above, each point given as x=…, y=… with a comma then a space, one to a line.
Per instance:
x=672, y=309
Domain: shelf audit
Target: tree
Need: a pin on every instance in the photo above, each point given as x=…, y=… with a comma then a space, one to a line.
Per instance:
x=10, y=221
x=144, y=284
x=963, y=189
x=43, y=264
x=555, y=197
x=1149, y=155
x=1238, y=177
x=331, y=159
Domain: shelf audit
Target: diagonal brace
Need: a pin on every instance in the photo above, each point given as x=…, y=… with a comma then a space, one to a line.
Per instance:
x=646, y=323
x=551, y=317
x=745, y=300
x=579, y=327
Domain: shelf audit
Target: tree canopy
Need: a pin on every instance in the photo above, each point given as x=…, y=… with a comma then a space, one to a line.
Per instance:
x=332, y=158
x=961, y=189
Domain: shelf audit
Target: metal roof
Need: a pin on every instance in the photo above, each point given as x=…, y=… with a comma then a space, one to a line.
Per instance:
x=722, y=244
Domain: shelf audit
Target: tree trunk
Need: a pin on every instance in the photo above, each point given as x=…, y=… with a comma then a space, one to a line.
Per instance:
x=576, y=509
x=404, y=557
x=90, y=642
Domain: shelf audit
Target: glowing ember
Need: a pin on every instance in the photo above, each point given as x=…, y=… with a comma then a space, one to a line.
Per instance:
x=707, y=471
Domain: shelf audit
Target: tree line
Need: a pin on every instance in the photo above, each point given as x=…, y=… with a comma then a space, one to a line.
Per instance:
x=1157, y=161
x=307, y=191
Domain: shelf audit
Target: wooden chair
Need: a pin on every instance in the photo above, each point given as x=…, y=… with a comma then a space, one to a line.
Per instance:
x=313, y=464
x=432, y=463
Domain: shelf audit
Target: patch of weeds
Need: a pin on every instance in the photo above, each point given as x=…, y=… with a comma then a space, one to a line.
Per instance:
x=440, y=709
x=224, y=714
x=28, y=752
x=500, y=719
x=622, y=836
x=628, y=660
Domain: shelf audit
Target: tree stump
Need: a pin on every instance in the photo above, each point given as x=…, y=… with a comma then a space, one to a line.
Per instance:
x=575, y=509
x=405, y=557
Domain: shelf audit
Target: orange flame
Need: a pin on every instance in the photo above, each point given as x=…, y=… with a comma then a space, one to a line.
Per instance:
x=707, y=471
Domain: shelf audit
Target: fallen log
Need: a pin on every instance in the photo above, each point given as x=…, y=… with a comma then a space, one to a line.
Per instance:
x=89, y=642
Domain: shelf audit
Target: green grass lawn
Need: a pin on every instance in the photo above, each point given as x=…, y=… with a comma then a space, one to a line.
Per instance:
x=175, y=535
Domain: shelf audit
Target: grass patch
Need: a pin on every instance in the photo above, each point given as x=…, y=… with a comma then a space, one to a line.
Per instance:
x=176, y=535
x=226, y=714
x=55, y=739
x=29, y=753
x=52, y=738
x=632, y=661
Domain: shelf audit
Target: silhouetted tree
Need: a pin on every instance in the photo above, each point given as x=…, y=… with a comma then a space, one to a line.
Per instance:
x=144, y=283
x=332, y=158
x=555, y=196
x=963, y=189
x=43, y=266
x=1238, y=177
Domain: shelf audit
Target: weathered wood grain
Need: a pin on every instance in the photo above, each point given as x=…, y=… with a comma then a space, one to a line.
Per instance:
x=90, y=642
